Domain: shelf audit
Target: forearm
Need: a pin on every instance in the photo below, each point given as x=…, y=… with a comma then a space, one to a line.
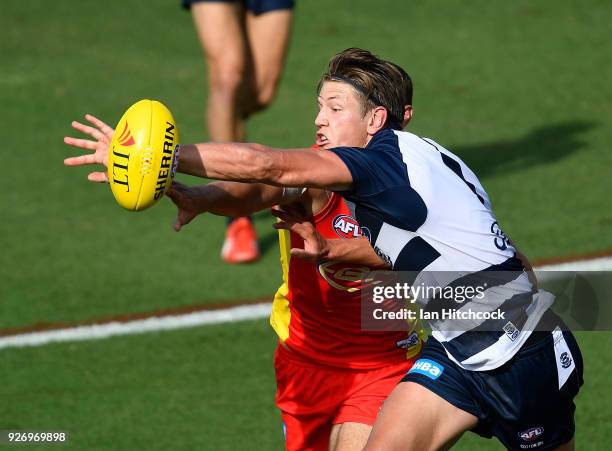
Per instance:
x=357, y=250
x=256, y=163
x=225, y=161
x=235, y=199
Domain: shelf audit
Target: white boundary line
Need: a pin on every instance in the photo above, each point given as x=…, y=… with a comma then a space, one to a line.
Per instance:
x=595, y=264
x=228, y=315
x=99, y=331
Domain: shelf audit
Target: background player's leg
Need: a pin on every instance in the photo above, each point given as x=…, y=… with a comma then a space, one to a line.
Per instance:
x=220, y=28
x=268, y=37
x=349, y=436
x=222, y=34
x=414, y=418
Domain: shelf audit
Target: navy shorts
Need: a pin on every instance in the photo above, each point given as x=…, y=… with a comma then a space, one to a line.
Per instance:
x=257, y=7
x=527, y=403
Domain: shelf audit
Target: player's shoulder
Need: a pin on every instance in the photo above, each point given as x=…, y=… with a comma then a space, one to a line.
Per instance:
x=411, y=141
x=384, y=140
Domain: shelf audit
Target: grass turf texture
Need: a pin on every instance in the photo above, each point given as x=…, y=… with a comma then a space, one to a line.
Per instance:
x=195, y=389
x=198, y=389
x=517, y=89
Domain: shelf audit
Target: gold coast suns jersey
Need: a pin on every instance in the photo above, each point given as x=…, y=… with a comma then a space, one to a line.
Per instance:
x=317, y=310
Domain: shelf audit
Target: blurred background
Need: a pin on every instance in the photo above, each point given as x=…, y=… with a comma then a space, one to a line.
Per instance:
x=519, y=90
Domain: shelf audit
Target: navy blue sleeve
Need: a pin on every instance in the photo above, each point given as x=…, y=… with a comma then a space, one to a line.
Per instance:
x=381, y=184
x=373, y=170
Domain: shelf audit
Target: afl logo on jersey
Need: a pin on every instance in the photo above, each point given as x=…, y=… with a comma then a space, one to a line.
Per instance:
x=531, y=434
x=346, y=226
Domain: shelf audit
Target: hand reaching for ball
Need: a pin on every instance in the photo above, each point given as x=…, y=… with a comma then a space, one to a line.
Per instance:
x=102, y=134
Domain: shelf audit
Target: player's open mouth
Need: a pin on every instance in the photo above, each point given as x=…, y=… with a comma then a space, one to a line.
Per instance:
x=321, y=139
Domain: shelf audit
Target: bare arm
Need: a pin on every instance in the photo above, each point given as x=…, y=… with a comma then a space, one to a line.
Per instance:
x=356, y=250
x=230, y=198
x=227, y=161
x=258, y=163
x=317, y=247
x=223, y=198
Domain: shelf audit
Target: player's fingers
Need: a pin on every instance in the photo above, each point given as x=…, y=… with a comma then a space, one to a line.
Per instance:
x=80, y=160
x=296, y=218
x=304, y=255
x=106, y=129
x=177, y=224
x=286, y=216
x=98, y=177
x=185, y=217
x=80, y=143
x=304, y=232
x=280, y=214
x=286, y=210
x=93, y=132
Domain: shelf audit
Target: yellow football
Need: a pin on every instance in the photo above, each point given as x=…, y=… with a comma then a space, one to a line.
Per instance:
x=142, y=157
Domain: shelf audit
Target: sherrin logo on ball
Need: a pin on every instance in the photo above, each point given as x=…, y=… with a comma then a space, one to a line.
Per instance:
x=143, y=155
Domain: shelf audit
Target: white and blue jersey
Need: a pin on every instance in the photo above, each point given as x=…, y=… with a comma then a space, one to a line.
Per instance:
x=426, y=212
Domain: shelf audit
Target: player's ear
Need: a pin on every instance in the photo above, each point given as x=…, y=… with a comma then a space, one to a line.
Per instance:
x=407, y=115
x=378, y=117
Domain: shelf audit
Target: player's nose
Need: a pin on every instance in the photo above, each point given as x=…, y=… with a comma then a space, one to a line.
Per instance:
x=321, y=119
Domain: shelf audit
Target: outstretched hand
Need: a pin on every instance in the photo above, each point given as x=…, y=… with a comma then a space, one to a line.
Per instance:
x=102, y=134
x=183, y=197
x=316, y=247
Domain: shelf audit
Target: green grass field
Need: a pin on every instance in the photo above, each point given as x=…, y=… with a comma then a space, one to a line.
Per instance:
x=518, y=89
x=209, y=388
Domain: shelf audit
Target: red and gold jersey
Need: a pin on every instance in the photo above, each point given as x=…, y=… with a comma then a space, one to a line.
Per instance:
x=317, y=310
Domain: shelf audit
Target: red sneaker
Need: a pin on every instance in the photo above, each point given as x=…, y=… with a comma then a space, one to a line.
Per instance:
x=240, y=245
